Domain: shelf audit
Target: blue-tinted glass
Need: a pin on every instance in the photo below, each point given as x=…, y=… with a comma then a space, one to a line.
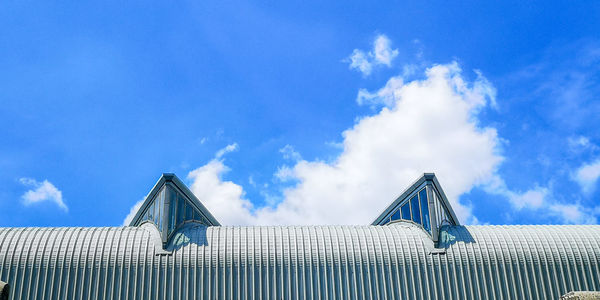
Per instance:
x=180, y=209
x=405, y=211
x=196, y=215
x=414, y=207
x=151, y=212
x=161, y=202
x=395, y=216
x=189, y=211
x=156, y=210
x=425, y=209
x=172, y=205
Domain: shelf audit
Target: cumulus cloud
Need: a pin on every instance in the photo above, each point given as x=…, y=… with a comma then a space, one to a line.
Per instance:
x=587, y=175
x=41, y=192
x=224, y=199
x=427, y=125
x=381, y=54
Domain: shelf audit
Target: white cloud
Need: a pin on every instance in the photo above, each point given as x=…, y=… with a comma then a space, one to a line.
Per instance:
x=360, y=60
x=587, y=175
x=224, y=199
x=132, y=211
x=386, y=95
x=575, y=213
x=384, y=54
x=428, y=125
x=284, y=173
x=290, y=153
x=534, y=198
x=541, y=200
x=227, y=149
x=580, y=142
x=381, y=54
x=42, y=191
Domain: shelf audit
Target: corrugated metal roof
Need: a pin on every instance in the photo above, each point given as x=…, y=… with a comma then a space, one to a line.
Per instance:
x=397, y=261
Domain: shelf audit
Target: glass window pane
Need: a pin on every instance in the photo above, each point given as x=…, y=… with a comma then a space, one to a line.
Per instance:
x=189, y=211
x=151, y=212
x=161, y=203
x=405, y=211
x=180, y=209
x=172, y=205
x=425, y=209
x=395, y=216
x=414, y=208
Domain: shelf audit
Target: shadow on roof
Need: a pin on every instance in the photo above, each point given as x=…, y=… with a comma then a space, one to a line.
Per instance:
x=450, y=235
x=191, y=233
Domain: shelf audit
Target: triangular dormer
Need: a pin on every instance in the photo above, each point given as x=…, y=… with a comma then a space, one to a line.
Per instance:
x=423, y=203
x=169, y=205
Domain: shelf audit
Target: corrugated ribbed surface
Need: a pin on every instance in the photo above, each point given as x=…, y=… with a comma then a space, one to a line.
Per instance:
x=308, y=262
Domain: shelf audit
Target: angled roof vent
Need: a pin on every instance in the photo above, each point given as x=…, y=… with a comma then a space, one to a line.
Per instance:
x=423, y=203
x=169, y=205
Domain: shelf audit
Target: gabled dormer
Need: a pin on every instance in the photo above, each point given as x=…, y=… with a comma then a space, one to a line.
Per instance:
x=169, y=205
x=423, y=203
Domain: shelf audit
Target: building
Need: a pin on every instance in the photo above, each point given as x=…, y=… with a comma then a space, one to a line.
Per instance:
x=415, y=249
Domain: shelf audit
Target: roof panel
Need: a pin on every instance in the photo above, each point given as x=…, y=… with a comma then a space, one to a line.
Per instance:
x=396, y=261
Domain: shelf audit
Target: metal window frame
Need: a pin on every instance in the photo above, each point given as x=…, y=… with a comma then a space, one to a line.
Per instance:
x=160, y=203
x=430, y=182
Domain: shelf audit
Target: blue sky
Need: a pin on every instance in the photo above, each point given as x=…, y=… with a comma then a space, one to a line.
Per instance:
x=299, y=112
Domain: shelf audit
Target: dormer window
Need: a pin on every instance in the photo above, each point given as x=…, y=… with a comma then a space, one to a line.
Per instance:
x=169, y=205
x=424, y=204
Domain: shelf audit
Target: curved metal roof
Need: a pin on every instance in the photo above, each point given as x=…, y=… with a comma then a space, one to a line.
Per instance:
x=398, y=261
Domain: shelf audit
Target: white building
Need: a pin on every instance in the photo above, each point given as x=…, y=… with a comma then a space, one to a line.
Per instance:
x=416, y=249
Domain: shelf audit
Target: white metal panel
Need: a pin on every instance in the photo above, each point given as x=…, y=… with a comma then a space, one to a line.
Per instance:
x=301, y=262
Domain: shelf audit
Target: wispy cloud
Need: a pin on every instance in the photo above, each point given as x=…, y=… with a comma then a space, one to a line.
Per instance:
x=381, y=54
x=534, y=198
x=541, y=200
x=576, y=213
x=290, y=153
x=384, y=54
x=567, y=79
x=42, y=192
x=226, y=149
